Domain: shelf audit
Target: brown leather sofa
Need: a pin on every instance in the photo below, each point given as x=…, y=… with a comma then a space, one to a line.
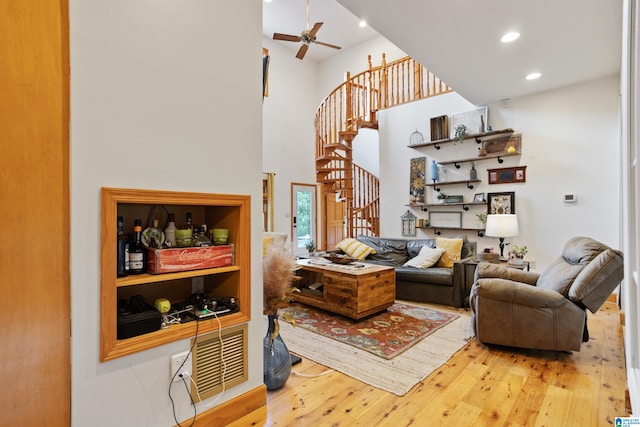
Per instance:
x=545, y=311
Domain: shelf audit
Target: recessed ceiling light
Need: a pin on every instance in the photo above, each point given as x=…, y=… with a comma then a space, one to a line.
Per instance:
x=510, y=37
x=363, y=23
x=533, y=76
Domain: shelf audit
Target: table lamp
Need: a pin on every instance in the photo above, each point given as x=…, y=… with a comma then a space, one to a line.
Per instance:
x=501, y=226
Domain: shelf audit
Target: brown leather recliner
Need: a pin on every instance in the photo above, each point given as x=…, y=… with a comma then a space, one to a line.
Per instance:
x=545, y=311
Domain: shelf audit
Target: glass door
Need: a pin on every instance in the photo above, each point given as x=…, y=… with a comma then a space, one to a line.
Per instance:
x=303, y=217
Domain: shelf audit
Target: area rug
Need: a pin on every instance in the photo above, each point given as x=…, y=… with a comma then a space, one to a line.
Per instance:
x=385, y=335
x=397, y=375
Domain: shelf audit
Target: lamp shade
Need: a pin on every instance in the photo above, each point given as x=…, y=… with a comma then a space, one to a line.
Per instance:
x=502, y=225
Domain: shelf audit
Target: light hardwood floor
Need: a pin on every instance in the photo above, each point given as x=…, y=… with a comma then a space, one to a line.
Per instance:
x=479, y=386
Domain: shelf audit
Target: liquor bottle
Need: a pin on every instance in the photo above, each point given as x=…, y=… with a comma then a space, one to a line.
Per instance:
x=137, y=251
x=200, y=238
x=122, y=257
x=188, y=222
x=170, y=232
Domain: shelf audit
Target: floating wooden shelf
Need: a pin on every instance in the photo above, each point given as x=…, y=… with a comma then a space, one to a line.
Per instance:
x=479, y=137
x=469, y=182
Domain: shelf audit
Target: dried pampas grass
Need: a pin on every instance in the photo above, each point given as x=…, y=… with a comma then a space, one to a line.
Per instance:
x=277, y=274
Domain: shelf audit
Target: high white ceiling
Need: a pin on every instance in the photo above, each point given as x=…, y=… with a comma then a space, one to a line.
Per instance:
x=568, y=41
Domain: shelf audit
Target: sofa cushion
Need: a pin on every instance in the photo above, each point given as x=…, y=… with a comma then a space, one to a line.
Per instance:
x=356, y=249
x=427, y=257
x=414, y=246
x=452, y=251
x=391, y=251
x=433, y=276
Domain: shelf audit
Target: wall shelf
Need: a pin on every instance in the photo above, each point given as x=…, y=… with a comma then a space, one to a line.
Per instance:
x=215, y=210
x=437, y=230
x=465, y=205
x=479, y=138
x=499, y=156
x=436, y=185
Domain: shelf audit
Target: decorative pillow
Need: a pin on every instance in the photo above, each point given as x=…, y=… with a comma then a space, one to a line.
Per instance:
x=356, y=249
x=452, y=250
x=267, y=243
x=427, y=257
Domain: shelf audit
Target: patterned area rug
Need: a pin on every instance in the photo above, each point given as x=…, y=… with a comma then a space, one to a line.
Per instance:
x=385, y=335
x=397, y=375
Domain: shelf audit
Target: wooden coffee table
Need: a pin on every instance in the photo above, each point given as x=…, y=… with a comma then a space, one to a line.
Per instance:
x=347, y=290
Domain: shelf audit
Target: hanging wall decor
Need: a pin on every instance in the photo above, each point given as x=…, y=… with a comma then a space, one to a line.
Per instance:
x=408, y=224
x=507, y=175
x=417, y=177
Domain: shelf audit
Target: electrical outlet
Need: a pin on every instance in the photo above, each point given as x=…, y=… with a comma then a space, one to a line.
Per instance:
x=181, y=363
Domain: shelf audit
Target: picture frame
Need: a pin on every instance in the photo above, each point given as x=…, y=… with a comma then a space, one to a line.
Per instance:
x=418, y=167
x=514, y=174
x=501, y=203
x=479, y=198
x=445, y=219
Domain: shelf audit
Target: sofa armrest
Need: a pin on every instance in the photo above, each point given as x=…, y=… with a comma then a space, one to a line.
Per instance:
x=517, y=293
x=486, y=270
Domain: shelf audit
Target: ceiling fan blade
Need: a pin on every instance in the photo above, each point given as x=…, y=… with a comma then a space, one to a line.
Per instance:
x=302, y=51
x=286, y=37
x=315, y=29
x=328, y=45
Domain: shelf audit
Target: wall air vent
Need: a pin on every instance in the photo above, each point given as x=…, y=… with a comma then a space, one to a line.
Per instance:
x=220, y=358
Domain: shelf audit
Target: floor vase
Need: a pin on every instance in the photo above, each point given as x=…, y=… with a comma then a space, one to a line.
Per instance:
x=277, y=360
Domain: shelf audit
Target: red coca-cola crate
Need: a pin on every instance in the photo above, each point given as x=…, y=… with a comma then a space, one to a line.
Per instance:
x=186, y=259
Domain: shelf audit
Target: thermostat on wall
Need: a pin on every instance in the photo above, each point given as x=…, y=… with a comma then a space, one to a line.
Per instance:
x=570, y=198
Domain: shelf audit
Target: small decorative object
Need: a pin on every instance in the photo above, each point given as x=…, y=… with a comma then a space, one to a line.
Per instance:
x=460, y=133
x=439, y=128
x=311, y=247
x=482, y=152
x=442, y=197
x=220, y=236
x=339, y=258
x=507, y=175
x=516, y=255
x=454, y=199
x=473, y=173
x=434, y=171
x=416, y=138
x=478, y=198
x=416, y=184
x=408, y=224
x=277, y=276
x=489, y=128
x=442, y=174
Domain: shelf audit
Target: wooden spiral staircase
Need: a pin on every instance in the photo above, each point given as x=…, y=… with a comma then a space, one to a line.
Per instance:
x=353, y=106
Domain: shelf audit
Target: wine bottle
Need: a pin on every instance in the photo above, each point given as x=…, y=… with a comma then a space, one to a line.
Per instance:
x=189, y=222
x=170, y=232
x=122, y=251
x=137, y=251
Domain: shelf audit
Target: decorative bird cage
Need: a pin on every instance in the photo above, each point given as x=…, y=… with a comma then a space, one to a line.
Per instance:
x=416, y=138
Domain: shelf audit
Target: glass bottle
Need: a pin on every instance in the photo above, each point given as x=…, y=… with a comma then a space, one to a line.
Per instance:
x=137, y=251
x=170, y=232
x=473, y=173
x=122, y=257
x=189, y=222
x=200, y=238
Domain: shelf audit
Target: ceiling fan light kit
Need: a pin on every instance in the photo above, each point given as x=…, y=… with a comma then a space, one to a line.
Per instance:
x=307, y=37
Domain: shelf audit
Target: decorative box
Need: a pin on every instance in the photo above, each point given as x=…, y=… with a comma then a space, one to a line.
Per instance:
x=488, y=257
x=186, y=259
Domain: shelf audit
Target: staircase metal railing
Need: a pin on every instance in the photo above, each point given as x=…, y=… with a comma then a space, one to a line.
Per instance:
x=354, y=105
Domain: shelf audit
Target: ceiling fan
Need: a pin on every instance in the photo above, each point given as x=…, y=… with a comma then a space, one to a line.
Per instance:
x=307, y=37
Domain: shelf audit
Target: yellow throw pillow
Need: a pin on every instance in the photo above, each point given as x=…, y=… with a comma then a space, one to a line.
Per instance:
x=267, y=242
x=355, y=248
x=452, y=250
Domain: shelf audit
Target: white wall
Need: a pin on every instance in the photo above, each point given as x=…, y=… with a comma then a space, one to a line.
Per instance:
x=161, y=98
x=288, y=127
x=569, y=145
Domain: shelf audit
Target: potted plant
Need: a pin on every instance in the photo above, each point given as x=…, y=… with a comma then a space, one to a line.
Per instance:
x=482, y=217
x=441, y=197
x=516, y=255
x=311, y=248
x=460, y=133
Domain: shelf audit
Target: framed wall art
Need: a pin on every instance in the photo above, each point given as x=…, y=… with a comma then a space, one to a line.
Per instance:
x=445, y=219
x=416, y=180
x=501, y=203
x=507, y=175
x=479, y=198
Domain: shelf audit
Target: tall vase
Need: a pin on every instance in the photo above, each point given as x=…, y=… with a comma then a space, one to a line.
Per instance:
x=277, y=360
